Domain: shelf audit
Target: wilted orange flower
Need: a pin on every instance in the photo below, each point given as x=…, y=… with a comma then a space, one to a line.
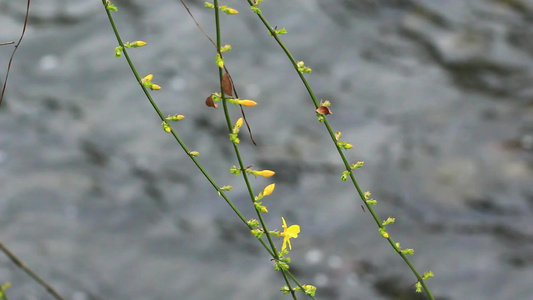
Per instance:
x=246, y=102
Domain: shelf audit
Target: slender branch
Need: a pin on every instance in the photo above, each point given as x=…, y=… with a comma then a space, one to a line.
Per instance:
x=238, y=155
x=30, y=272
x=225, y=67
x=173, y=132
x=340, y=149
x=4, y=249
x=15, y=50
x=182, y=144
x=162, y=117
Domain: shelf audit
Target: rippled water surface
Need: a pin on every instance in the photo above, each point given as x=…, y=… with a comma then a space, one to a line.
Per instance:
x=435, y=96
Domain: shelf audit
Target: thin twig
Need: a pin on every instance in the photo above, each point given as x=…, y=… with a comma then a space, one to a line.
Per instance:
x=184, y=147
x=241, y=164
x=339, y=150
x=6, y=43
x=30, y=272
x=15, y=50
x=225, y=68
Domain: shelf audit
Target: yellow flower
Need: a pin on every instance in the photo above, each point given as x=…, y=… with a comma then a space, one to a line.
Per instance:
x=239, y=122
x=288, y=233
x=231, y=11
x=264, y=173
x=138, y=43
x=269, y=189
x=175, y=117
x=166, y=127
x=147, y=78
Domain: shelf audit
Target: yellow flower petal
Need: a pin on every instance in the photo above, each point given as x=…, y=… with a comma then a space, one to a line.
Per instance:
x=138, y=43
x=286, y=240
x=147, y=78
x=239, y=122
x=288, y=233
x=264, y=173
x=293, y=231
x=269, y=189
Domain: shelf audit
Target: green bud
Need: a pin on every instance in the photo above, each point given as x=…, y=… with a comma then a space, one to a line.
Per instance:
x=345, y=175
x=310, y=289
x=427, y=275
x=253, y=223
x=302, y=68
x=235, y=170
x=225, y=48
x=175, y=118
x=226, y=188
x=279, y=265
x=258, y=233
x=388, y=221
x=338, y=134
x=418, y=286
x=110, y=6
x=357, y=165
x=384, y=233
x=286, y=259
x=219, y=60
x=408, y=251
x=285, y=290
x=345, y=145
x=118, y=51
x=166, y=127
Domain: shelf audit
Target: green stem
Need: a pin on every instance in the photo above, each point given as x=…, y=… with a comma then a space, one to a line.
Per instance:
x=173, y=132
x=238, y=155
x=184, y=147
x=339, y=150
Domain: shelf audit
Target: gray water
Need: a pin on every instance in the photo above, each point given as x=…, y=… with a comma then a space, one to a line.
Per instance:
x=435, y=96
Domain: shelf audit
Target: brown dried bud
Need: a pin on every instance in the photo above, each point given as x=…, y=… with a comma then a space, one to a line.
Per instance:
x=209, y=102
x=227, y=86
x=323, y=110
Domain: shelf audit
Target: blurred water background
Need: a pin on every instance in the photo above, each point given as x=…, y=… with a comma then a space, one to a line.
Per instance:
x=436, y=97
